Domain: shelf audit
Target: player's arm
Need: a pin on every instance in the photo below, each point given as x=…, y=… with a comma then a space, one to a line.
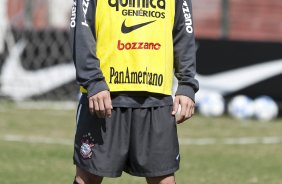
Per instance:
x=184, y=60
x=88, y=72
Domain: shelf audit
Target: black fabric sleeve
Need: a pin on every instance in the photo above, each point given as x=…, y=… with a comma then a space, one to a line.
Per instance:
x=83, y=42
x=184, y=49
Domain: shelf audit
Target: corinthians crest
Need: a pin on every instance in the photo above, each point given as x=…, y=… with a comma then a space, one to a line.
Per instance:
x=86, y=146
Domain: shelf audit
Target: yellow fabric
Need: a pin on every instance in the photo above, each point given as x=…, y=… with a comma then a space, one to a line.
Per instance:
x=83, y=90
x=141, y=60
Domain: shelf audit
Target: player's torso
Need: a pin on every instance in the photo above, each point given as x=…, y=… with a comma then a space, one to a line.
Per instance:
x=134, y=44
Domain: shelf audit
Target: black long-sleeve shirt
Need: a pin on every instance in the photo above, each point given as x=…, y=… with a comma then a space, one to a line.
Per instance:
x=89, y=75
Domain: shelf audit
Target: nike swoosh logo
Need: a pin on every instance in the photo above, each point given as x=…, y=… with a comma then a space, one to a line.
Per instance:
x=127, y=29
x=19, y=83
x=234, y=80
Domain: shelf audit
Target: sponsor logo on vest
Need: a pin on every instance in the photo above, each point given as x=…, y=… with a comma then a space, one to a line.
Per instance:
x=137, y=4
x=136, y=7
x=187, y=16
x=127, y=29
x=73, y=15
x=135, y=77
x=143, y=13
x=138, y=45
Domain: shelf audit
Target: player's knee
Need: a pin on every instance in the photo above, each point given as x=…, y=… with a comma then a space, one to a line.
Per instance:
x=84, y=177
x=88, y=180
x=74, y=181
x=161, y=180
x=78, y=180
x=168, y=182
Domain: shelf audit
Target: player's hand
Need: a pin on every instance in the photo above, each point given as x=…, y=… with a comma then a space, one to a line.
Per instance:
x=187, y=108
x=101, y=104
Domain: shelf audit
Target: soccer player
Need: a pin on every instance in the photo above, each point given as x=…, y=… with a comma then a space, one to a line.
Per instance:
x=125, y=53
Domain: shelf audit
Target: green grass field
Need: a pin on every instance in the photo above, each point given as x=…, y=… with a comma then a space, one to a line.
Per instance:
x=36, y=147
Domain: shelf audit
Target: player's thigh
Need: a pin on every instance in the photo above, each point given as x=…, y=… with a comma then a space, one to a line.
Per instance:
x=154, y=148
x=101, y=144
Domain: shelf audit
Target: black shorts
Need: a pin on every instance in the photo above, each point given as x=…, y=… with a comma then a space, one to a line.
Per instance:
x=139, y=141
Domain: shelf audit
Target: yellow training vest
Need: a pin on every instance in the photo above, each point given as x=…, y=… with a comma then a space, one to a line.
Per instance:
x=135, y=44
